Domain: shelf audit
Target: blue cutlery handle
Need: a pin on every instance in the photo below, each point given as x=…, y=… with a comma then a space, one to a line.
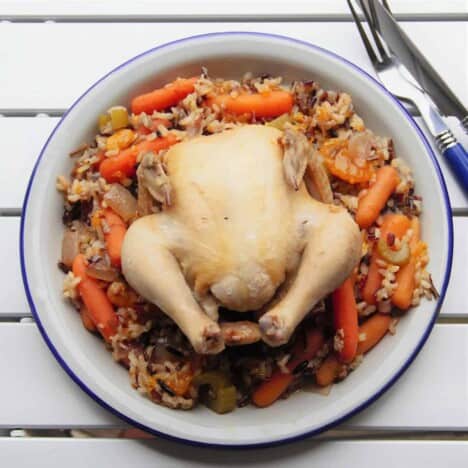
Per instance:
x=457, y=157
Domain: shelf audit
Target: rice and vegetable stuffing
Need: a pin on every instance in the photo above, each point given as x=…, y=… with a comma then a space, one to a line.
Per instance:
x=124, y=175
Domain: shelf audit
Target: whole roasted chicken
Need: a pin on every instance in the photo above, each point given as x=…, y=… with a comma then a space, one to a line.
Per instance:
x=238, y=229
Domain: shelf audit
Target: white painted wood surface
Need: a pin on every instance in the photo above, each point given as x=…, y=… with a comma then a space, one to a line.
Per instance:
x=13, y=301
x=20, y=145
x=430, y=396
x=206, y=8
x=55, y=61
x=46, y=453
x=67, y=58
x=45, y=66
x=12, y=296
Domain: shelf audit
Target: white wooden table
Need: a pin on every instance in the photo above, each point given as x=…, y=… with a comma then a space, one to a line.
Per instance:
x=50, y=52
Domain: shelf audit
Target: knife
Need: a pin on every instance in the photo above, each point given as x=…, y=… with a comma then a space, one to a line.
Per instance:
x=402, y=46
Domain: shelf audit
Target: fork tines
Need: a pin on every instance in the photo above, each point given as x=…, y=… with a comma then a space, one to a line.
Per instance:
x=370, y=18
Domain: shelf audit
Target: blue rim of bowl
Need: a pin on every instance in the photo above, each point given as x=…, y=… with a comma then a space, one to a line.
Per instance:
x=305, y=434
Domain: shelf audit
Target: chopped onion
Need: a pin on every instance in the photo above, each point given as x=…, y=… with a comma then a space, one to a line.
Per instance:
x=70, y=247
x=360, y=145
x=102, y=271
x=121, y=201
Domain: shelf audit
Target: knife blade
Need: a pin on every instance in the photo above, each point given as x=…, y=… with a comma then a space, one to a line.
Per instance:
x=402, y=46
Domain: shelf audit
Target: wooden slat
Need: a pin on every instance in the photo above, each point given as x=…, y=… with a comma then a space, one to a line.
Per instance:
x=20, y=146
x=27, y=135
x=68, y=58
x=47, y=90
x=45, y=385
x=456, y=299
x=37, y=393
x=76, y=453
x=431, y=395
x=458, y=198
x=13, y=301
x=206, y=8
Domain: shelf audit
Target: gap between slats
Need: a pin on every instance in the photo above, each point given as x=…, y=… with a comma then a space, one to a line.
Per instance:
x=206, y=10
x=235, y=18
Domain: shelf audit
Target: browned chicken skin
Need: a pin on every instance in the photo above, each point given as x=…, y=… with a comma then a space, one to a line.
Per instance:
x=240, y=221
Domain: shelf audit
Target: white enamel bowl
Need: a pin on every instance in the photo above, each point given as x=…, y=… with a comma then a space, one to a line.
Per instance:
x=83, y=356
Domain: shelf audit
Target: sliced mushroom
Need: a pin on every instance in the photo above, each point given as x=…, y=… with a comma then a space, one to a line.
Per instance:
x=146, y=204
x=317, y=180
x=296, y=154
x=155, y=179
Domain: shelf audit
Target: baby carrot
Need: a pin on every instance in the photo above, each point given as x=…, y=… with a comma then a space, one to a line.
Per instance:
x=345, y=318
x=165, y=97
x=416, y=228
x=403, y=293
x=396, y=224
x=99, y=308
x=373, y=329
x=116, y=168
x=114, y=234
x=86, y=319
x=269, y=104
x=370, y=205
x=328, y=371
x=270, y=390
x=373, y=280
x=314, y=341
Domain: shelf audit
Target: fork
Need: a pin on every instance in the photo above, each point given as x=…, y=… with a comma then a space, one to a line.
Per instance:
x=400, y=82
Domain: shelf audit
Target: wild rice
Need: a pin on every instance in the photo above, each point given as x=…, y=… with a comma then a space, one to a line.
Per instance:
x=338, y=340
x=62, y=183
x=147, y=342
x=70, y=282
